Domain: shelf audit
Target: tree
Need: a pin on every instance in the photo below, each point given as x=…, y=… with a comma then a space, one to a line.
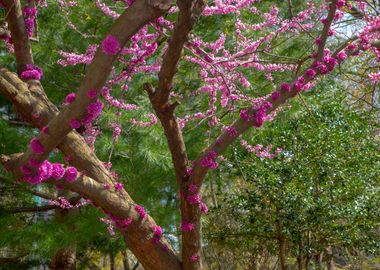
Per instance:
x=315, y=200
x=226, y=70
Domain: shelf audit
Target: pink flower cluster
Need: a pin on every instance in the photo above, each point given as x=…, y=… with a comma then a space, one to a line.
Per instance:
x=141, y=211
x=63, y=203
x=93, y=111
x=119, y=186
x=259, y=151
x=36, y=146
x=110, y=45
x=29, y=14
x=70, y=98
x=157, y=234
x=187, y=226
x=32, y=72
x=209, y=160
x=73, y=59
x=109, y=224
x=47, y=170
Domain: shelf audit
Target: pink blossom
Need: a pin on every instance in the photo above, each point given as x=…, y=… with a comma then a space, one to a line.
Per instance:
x=119, y=186
x=75, y=123
x=32, y=72
x=194, y=258
x=310, y=73
x=341, y=56
x=285, y=87
x=71, y=174
x=36, y=146
x=43, y=173
x=232, y=131
x=95, y=108
x=194, y=199
x=157, y=233
x=124, y=223
x=340, y=3
x=187, y=226
x=141, y=211
x=45, y=130
x=209, y=160
x=203, y=208
x=275, y=95
x=193, y=188
x=92, y=93
x=110, y=45
x=70, y=98
x=351, y=47
x=58, y=171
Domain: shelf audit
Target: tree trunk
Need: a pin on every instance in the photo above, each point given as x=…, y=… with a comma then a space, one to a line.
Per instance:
x=307, y=263
x=125, y=261
x=300, y=256
x=64, y=259
x=112, y=261
x=318, y=261
x=330, y=259
x=281, y=252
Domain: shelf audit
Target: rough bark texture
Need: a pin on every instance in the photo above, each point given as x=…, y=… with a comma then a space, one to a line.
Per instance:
x=30, y=99
x=19, y=35
x=64, y=259
x=189, y=10
x=135, y=17
x=138, y=236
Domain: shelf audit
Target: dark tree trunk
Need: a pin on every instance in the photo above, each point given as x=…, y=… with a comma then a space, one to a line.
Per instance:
x=64, y=259
x=281, y=252
x=126, y=261
x=307, y=263
x=330, y=259
x=112, y=261
x=318, y=261
x=300, y=257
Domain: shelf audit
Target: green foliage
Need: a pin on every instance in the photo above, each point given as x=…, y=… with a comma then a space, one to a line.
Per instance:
x=320, y=192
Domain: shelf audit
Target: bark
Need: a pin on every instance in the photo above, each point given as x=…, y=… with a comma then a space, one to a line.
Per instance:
x=19, y=35
x=189, y=10
x=330, y=259
x=300, y=256
x=282, y=252
x=132, y=19
x=138, y=236
x=125, y=260
x=64, y=259
x=318, y=261
x=307, y=262
x=112, y=261
x=224, y=140
x=30, y=99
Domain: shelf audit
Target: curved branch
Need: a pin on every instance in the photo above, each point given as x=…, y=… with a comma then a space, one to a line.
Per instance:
x=135, y=17
x=139, y=233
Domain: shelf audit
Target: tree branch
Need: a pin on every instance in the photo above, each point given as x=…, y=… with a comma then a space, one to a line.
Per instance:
x=189, y=11
x=16, y=25
x=139, y=233
x=325, y=30
x=240, y=125
x=135, y=17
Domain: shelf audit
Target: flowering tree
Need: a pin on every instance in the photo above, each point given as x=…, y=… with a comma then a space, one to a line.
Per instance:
x=134, y=45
